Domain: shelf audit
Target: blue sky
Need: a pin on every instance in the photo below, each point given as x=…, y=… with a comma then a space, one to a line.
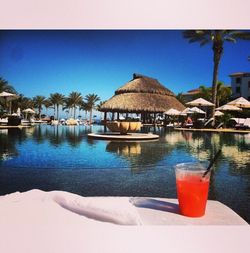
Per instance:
x=98, y=61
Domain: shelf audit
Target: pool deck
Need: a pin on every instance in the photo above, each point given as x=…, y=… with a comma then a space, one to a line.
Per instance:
x=19, y=126
x=220, y=130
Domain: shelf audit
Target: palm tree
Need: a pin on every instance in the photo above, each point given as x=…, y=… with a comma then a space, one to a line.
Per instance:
x=74, y=99
x=23, y=103
x=84, y=106
x=204, y=92
x=5, y=86
x=223, y=94
x=39, y=102
x=181, y=98
x=91, y=99
x=47, y=104
x=98, y=107
x=57, y=99
x=217, y=38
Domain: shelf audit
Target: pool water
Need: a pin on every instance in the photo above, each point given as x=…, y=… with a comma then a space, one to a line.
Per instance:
x=63, y=158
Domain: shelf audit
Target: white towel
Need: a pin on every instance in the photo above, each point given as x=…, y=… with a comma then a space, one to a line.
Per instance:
x=40, y=206
x=117, y=210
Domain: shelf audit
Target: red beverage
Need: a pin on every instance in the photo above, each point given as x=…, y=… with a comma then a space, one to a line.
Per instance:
x=192, y=190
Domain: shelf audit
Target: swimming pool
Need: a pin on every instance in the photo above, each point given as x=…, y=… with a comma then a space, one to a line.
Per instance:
x=63, y=158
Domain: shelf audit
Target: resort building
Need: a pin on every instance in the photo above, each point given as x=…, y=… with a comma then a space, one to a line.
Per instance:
x=240, y=83
x=190, y=95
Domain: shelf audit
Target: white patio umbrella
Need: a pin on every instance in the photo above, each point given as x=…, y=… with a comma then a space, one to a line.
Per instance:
x=197, y=110
x=186, y=111
x=6, y=96
x=227, y=107
x=192, y=111
x=172, y=112
x=240, y=102
x=218, y=114
x=28, y=110
x=200, y=102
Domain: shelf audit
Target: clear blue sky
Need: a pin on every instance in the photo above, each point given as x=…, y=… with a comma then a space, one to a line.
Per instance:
x=44, y=62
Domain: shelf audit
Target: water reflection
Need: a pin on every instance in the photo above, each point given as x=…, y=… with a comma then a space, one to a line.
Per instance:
x=54, y=135
x=57, y=135
x=8, y=140
x=125, y=149
x=194, y=145
x=140, y=155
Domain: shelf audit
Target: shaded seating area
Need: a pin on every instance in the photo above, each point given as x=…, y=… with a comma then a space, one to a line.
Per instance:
x=144, y=97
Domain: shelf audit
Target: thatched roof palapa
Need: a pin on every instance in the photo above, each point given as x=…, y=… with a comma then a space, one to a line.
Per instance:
x=142, y=94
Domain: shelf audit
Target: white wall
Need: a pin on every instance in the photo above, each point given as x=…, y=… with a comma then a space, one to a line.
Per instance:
x=244, y=91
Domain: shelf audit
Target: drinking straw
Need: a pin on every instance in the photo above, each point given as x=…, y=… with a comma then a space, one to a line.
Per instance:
x=212, y=163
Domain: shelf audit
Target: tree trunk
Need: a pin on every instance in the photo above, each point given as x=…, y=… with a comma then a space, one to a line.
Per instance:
x=57, y=110
x=39, y=113
x=74, y=112
x=218, y=49
x=90, y=116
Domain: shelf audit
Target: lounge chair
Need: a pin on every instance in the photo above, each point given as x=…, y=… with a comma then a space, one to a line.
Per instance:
x=243, y=124
x=220, y=125
x=208, y=122
x=3, y=121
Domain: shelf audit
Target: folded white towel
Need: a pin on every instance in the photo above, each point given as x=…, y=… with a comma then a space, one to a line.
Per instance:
x=53, y=206
x=117, y=210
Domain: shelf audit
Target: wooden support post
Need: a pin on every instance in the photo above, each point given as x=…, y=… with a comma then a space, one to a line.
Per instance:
x=104, y=121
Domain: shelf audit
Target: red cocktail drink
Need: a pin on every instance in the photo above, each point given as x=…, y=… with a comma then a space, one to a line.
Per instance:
x=192, y=189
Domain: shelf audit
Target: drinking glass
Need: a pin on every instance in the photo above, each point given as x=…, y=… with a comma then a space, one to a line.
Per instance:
x=192, y=188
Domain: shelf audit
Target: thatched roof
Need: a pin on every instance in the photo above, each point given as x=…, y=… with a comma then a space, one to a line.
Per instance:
x=142, y=94
x=144, y=84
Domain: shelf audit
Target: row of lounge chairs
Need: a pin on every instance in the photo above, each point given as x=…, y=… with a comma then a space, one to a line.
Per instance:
x=239, y=124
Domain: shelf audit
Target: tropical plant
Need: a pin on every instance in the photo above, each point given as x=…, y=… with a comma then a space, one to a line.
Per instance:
x=47, y=104
x=217, y=38
x=181, y=98
x=223, y=94
x=98, y=107
x=23, y=103
x=38, y=103
x=204, y=92
x=57, y=99
x=74, y=99
x=85, y=107
x=5, y=86
x=91, y=100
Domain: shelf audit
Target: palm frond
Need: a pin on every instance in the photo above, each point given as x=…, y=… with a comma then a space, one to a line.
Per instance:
x=230, y=39
x=201, y=36
x=240, y=35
